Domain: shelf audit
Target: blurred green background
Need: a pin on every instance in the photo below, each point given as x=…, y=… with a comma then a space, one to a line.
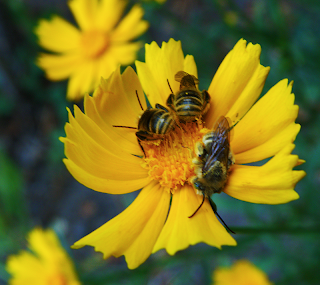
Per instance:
x=36, y=189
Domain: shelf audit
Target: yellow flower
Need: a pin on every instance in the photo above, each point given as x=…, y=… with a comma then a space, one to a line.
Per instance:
x=159, y=1
x=48, y=264
x=101, y=43
x=242, y=272
x=109, y=159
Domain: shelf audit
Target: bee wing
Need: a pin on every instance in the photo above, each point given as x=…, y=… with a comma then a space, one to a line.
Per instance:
x=220, y=146
x=181, y=74
x=222, y=127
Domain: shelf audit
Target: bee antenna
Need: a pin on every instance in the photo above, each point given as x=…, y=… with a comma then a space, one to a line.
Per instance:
x=139, y=101
x=127, y=127
x=198, y=207
x=224, y=222
x=169, y=86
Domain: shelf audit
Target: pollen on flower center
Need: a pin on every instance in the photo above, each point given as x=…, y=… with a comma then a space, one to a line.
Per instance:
x=94, y=43
x=170, y=160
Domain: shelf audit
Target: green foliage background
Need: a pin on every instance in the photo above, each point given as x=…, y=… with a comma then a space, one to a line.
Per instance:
x=36, y=189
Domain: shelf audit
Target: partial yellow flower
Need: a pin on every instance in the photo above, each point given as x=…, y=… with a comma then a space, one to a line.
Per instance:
x=109, y=159
x=46, y=264
x=159, y=1
x=95, y=49
x=242, y=272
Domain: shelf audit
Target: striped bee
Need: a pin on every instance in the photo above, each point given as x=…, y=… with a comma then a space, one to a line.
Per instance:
x=153, y=124
x=213, y=162
x=188, y=103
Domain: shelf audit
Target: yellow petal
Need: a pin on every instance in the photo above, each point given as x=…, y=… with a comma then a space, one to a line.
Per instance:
x=133, y=87
x=238, y=81
x=108, y=14
x=272, y=183
x=190, y=65
x=125, y=53
x=106, y=165
x=180, y=231
x=268, y=126
x=82, y=81
x=161, y=65
x=112, y=91
x=134, y=232
x=58, y=35
x=84, y=11
x=270, y=147
x=125, y=139
x=92, y=149
x=59, y=67
x=103, y=184
x=249, y=94
x=104, y=108
x=131, y=26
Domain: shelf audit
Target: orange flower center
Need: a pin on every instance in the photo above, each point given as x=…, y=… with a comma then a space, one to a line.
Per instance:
x=169, y=160
x=94, y=43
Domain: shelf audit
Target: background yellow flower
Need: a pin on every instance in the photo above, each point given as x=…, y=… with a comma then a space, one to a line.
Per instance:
x=84, y=54
x=241, y=272
x=46, y=264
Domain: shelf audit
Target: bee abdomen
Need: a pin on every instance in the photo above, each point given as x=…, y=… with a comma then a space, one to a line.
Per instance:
x=161, y=123
x=188, y=103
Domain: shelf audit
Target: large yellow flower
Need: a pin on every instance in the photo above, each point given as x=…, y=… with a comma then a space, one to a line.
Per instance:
x=95, y=49
x=242, y=272
x=109, y=159
x=48, y=264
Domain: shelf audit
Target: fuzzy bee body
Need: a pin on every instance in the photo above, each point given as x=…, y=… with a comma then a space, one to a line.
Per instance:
x=214, y=159
x=212, y=164
x=154, y=123
x=188, y=103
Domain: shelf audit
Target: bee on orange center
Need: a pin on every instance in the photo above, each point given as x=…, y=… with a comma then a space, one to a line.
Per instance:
x=153, y=124
x=213, y=162
x=188, y=104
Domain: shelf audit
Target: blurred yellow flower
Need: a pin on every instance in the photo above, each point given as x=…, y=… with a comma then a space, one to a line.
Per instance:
x=110, y=160
x=47, y=264
x=102, y=42
x=159, y=1
x=242, y=272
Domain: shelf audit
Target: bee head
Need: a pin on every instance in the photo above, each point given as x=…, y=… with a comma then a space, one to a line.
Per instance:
x=199, y=150
x=198, y=185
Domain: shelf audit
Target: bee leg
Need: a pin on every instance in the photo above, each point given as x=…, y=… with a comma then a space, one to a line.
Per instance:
x=170, y=101
x=214, y=208
x=199, y=206
x=158, y=106
x=139, y=142
x=141, y=136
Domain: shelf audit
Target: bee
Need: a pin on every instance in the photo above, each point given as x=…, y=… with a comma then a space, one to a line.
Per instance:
x=188, y=103
x=213, y=162
x=153, y=124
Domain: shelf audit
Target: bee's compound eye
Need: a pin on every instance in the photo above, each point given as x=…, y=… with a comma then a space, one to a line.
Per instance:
x=203, y=153
x=198, y=185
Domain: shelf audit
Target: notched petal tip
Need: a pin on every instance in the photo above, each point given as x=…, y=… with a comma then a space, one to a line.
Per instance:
x=134, y=231
x=300, y=162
